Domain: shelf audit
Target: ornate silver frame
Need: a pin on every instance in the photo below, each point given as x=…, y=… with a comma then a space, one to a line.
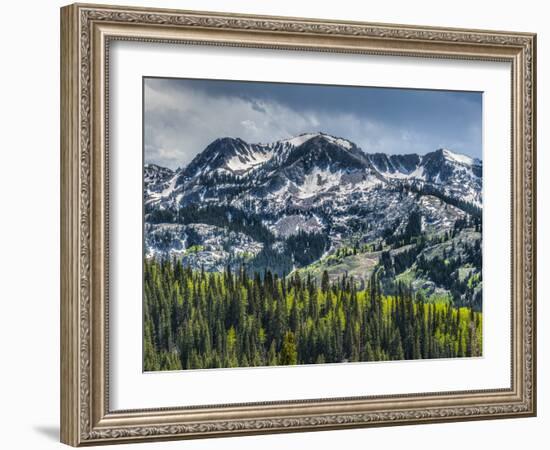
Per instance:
x=86, y=32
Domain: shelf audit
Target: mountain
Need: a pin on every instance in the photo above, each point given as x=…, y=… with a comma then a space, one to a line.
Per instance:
x=233, y=155
x=296, y=203
x=457, y=175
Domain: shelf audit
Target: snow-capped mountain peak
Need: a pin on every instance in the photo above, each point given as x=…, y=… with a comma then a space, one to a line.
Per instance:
x=153, y=173
x=459, y=158
x=306, y=169
x=296, y=141
x=300, y=139
x=234, y=155
x=225, y=153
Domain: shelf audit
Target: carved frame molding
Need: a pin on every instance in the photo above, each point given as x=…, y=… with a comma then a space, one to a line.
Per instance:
x=86, y=32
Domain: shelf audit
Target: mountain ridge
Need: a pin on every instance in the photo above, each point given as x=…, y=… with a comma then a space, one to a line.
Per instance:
x=234, y=156
x=295, y=202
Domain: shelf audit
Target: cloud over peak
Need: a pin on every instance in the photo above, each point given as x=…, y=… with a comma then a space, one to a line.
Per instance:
x=183, y=116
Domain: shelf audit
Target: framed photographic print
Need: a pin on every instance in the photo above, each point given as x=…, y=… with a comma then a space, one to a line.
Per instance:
x=276, y=224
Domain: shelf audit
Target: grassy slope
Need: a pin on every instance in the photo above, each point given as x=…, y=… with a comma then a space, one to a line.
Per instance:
x=362, y=265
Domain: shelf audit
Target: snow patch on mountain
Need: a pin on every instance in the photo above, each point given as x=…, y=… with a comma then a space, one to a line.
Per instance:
x=243, y=163
x=318, y=181
x=300, y=139
x=459, y=158
x=293, y=224
x=418, y=173
x=339, y=141
x=303, y=138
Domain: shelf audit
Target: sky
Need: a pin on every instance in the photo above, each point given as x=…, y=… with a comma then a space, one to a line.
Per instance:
x=182, y=116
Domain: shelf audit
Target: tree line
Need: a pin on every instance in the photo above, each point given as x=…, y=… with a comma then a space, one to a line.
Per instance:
x=195, y=320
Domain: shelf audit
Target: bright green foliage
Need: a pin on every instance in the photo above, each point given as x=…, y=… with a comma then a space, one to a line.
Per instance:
x=289, y=356
x=198, y=320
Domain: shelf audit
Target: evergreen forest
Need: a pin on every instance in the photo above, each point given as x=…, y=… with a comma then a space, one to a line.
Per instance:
x=194, y=319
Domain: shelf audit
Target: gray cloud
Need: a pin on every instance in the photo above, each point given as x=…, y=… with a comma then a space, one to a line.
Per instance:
x=181, y=119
